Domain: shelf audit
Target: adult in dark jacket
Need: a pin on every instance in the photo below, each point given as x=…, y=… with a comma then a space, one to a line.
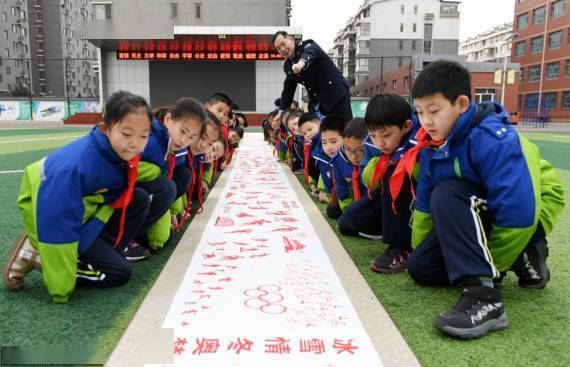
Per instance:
x=306, y=63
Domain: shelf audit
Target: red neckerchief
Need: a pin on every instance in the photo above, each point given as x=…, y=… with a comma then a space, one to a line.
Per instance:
x=127, y=196
x=356, y=182
x=379, y=173
x=407, y=163
x=171, y=161
x=187, y=210
x=307, y=154
x=290, y=152
x=200, y=188
x=333, y=191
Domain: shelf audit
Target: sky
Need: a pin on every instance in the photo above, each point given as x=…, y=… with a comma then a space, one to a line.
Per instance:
x=322, y=19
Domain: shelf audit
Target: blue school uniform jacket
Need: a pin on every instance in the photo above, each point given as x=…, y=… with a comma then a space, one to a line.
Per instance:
x=370, y=151
x=64, y=201
x=522, y=189
x=342, y=169
x=323, y=163
x=153, y=162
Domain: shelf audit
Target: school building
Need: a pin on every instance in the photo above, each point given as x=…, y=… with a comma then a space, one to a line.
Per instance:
x=163, y=49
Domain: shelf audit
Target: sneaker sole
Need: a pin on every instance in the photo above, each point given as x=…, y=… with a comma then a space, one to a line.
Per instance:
x=16, y=247
x=540, y=285
x=387, y=271
x=370, y=236
x=137, y=258
x=492, y=325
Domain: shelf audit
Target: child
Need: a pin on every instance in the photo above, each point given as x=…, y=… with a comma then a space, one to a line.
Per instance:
x=473, y=218
x=346, y=165
x=309, y=125
x=220, y=104
x=295, y=142
x=160, y=176
x=331, y=130
x=234, y=137
x=392, y=127
x=67, y=201
x=281, y=136
x=268, y=131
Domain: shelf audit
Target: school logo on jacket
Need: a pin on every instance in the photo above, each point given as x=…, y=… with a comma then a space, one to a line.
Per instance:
x=102, y=191
x=329, y=174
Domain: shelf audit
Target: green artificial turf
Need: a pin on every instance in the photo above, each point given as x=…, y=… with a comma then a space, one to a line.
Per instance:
x=95, y=319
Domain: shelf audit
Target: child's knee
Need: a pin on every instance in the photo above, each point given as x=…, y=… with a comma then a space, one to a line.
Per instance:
x=344, y=227
x=121, y=275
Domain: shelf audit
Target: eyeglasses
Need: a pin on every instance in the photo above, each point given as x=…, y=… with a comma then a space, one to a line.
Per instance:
x=358, y=151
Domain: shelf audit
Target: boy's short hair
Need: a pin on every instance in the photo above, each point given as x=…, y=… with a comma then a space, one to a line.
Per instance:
x=308, y=117
x=272, y=114
x=355, y=128
x=220, y=98
x=277, y=102
x=445, y=77
x=187, y=107
x=387, y=109
x=120, y=104
x=333, y=122
x=234, y=107
x=239, y=131
x=212, y=119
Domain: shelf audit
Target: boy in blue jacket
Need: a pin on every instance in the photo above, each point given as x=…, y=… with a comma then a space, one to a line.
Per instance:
x=80, y=207
x=347, y=164
x=331, y=130
x=485, y=201
x=309, y=124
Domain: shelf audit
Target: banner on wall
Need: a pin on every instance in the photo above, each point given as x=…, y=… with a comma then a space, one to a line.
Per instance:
x=84, y=106
x=358, y=108
x=50, y=110
x=15, y=111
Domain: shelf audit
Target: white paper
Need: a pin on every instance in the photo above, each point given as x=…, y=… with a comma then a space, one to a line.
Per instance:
x=260, y=289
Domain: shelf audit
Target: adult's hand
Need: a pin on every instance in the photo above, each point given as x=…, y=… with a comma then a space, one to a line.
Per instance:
x=298, y=67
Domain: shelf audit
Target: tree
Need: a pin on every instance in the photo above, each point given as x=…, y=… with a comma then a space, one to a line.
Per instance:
x=20, y=90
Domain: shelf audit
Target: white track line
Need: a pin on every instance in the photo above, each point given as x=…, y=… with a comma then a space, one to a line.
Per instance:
x=14, y=171
x=39, y=139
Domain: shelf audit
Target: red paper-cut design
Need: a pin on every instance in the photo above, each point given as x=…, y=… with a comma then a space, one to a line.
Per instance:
x=244, y=215
x=224, y=222
x=292, y=244
x=249, y=230
x=265, y=298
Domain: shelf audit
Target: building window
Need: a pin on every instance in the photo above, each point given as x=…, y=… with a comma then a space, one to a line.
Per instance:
x=4, y=16
x=415, y=10
x=549, y=100
x=6, y=53
x=406, y=81
x=557, y=9
x=414, y=42
x=173, y=10
x=522, y=21
x=5, y=35
x=198, y=10
x=401, y=27
x=483, y=95
x=402, y=9
x=567, y=68
x=102, y=11
x=531, y=101
x=520, y=48
x=534, y=73
x=555, y=40
x=536, y=44
x=8, y=70
x=400, y=61
x=552, y=70
x=394, y=83
x=565, y=100
x=521, y=80
x=539, y=15
x=427, y=47
x=414, y=27
x=14, y=28
x=401, y=44
x=519, y=102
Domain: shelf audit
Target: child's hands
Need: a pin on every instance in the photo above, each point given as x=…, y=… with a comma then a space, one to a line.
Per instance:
x=313, y=188
x=173, y=221
x=323, y=197
x=205, y=188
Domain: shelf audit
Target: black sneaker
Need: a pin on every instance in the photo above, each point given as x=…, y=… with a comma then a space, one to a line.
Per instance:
x=136, y=252
x=392, y=261
x=534, y=272
x=479, y=311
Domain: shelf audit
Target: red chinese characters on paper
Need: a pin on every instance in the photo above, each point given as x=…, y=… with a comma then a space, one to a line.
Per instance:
x=204, y=346
x=277, y=346
x=239, y=345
